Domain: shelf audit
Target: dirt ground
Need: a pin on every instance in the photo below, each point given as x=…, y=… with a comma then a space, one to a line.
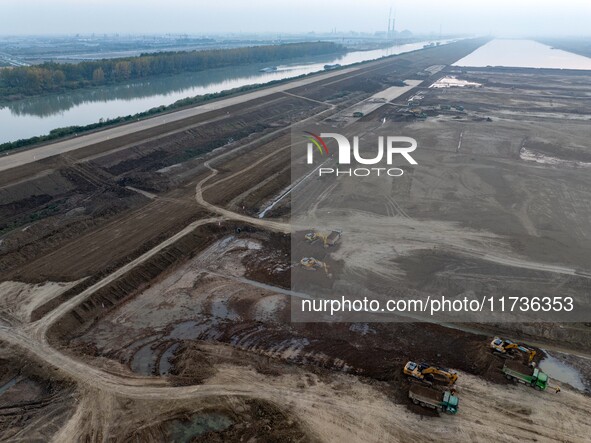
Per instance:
x=34, y=403
x=220, y=319
x=145, y=297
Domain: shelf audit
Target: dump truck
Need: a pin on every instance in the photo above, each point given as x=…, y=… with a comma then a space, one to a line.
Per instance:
x=528, y=375
x=442, y=401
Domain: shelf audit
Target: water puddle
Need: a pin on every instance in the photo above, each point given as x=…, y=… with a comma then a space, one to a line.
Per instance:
x=193, y=330
x=165, y=364
x=144, y=360
x=220, y=309
x=188, y=330
x=184, y=431
x=562, y=371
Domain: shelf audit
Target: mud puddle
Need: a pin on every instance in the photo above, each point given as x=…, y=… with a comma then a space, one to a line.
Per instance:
x=184, y=431
x=562, y=372
x=144, y=361
x=165, y=365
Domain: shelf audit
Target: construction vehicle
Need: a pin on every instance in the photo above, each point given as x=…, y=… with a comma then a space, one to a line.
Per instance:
x=418, y=113
x=313, y=264
x=431, y=398
x=507, y=349
x=528, y=375
x=429, y=374
x=328, y=239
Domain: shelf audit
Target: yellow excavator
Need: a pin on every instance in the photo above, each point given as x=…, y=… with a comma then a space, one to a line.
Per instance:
x=313, y=264
x=507, y=348
x=429, y=373
x=328, y=239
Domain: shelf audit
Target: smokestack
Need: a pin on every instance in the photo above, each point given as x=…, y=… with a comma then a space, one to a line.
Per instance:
x=389, y=22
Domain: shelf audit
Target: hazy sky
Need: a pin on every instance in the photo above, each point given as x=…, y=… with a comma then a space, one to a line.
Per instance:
x=501, y=17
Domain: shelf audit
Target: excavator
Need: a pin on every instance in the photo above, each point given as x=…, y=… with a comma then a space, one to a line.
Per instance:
x=429, y=374
x=328, y=239
x=313, y=264
x=507, y=349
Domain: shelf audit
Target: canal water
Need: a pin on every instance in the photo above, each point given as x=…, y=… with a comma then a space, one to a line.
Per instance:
x=516, y=53
x=39, y=115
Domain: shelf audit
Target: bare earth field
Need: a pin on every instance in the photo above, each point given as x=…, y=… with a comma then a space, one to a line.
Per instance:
x=144, y=298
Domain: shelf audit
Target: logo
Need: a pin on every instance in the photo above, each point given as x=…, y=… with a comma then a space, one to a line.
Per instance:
x=388, y=148
x=318, y=142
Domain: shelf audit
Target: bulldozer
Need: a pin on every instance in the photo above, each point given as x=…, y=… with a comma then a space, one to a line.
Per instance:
x=507, y=349
x=429, y=374
x=327, y=239
x=313, y=264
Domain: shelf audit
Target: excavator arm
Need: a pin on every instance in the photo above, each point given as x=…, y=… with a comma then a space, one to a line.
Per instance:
x=503, y=347
x=529, y=352
x=444, y=374
x=429, y=373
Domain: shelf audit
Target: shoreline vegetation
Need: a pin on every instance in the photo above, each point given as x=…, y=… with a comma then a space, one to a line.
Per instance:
x=69, y=131
x=38, y=80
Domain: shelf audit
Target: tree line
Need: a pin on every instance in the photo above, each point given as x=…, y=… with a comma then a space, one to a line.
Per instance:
x=58, y=133
x=55, y=77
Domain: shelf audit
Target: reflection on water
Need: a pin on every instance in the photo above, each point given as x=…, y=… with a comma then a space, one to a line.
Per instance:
x=523, y=54
x=38, y=115
x=562, y=371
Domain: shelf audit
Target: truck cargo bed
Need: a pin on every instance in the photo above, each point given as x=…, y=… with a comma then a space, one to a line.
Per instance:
x=425, y=392
x=519, y=367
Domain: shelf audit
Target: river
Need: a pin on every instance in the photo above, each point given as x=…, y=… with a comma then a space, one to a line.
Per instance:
x=39, y=115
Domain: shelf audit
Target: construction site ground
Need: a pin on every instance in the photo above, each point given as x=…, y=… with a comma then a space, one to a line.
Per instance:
x=145, y=299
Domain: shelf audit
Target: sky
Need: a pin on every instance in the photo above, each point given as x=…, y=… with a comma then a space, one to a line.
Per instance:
x=509, y=18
